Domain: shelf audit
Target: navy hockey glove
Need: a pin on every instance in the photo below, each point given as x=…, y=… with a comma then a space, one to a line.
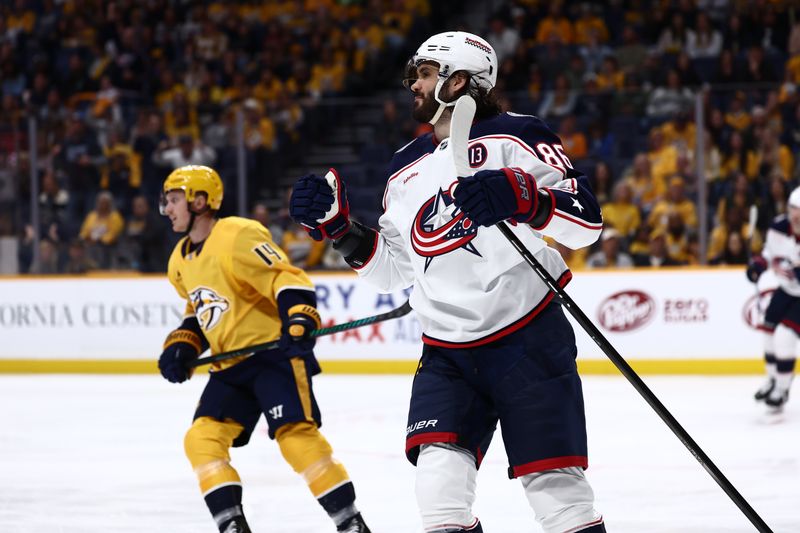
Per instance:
x=320, y=205
x=756, y=267
x=296, y=339
x=491, y=196
x=181, y=347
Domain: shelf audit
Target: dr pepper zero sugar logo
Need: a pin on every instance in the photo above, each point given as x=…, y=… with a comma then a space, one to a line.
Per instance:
x=626, y=310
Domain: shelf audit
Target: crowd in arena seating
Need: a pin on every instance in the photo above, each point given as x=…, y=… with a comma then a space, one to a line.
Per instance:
x=619, y=82
x=123, y=92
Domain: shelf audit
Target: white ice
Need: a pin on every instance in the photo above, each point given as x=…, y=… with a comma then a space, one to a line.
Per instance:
x=104, y=454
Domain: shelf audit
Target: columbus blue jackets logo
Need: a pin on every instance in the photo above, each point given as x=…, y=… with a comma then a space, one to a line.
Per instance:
x=208, y=307
x=439, y=228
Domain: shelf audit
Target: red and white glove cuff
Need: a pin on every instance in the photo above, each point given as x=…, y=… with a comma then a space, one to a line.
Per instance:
x=525, y=191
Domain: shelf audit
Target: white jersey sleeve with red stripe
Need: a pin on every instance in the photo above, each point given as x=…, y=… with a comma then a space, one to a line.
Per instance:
x=575, y=219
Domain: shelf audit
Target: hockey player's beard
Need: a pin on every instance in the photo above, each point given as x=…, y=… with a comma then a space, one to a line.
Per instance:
x=424, y=111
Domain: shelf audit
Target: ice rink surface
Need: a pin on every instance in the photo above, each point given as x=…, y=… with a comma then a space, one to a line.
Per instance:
x=104, y=454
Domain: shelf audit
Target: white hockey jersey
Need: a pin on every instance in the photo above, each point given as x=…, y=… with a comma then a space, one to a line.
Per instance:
x=782, y=252
x=470, y=286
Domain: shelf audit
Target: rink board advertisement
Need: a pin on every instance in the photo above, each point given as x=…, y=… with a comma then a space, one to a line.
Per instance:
x=681, y=314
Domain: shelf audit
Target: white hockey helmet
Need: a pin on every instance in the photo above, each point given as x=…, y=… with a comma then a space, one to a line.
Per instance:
x=794, y=198
x=454, y=51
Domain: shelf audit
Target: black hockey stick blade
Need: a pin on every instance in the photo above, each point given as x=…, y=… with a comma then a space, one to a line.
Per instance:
x=361, y=322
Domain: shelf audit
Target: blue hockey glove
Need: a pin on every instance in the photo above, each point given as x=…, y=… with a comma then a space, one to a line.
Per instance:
x=320, y=205
x=296, y=339
x=756, y=267
x=491, y=196
x=181, y=347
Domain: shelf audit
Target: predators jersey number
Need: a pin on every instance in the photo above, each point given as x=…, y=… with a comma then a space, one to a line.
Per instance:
x=267, y=253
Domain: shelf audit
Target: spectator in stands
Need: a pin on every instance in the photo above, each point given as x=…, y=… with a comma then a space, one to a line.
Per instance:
x=621, y=213
x=144, y=242
x=673, y=98
x=679, y=131
x=734, y=253
x=558, y=102
x=757, y=68
x=49, y=259
x=101, y=230
x=656, y=255
x=260, y=212
x=601, y=143
x=504, y=39
x=734, y=222
x=738, y=157
x=687, y=71
x=646, y=189
x=188, y=152
x=77, y=260
x=575, y=259
x=303, y=251
x=602, y=182
x=555, y=26
x=678, y=246
x=122, y=173
x=772, y=157
x=590, y=25
x=53, y=202
x=610, y=78
x=663, y=156
x=609, y=254
x=594, y=52
x=79, y=157
x=148, y=137
x=574, y=141
x=737, y=34
x=773, y=203
x=703, y=41
x=726, y=76
x=675, y=201
x=551, y=59
x=673, y=38
x=632, y=53
x=631, y=101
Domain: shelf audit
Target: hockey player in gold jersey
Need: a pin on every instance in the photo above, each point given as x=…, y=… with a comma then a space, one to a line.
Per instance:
x=241, y=290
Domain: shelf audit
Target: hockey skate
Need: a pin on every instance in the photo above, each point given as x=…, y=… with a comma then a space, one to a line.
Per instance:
x=237, y=526
x=355, y=524
x=776, y=399
x=765, y=390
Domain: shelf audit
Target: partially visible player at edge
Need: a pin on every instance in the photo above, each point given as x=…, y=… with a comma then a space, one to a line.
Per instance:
x=782, y=319
x=241, y=291
x=497, y=347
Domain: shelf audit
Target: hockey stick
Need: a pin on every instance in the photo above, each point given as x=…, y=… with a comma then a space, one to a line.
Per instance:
x=461, y=122
x=389, y=315
x=751, y=225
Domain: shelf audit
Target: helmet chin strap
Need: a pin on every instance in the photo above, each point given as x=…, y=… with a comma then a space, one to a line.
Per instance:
x=192, y=217
x=442, y=104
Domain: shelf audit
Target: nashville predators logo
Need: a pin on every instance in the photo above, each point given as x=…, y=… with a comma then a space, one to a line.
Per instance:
x=208, y=307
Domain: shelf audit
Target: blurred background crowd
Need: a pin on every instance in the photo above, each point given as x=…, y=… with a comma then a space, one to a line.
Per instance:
x=684, y=114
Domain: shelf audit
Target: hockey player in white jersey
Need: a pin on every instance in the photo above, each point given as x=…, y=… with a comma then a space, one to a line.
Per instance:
x=497, y=347
x=782, y=319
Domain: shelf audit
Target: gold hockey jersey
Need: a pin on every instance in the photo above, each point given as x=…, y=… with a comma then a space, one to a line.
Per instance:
x=231, y=284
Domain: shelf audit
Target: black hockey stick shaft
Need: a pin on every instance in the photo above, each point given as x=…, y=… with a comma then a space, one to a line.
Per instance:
x=361, y=322
x=634, y=379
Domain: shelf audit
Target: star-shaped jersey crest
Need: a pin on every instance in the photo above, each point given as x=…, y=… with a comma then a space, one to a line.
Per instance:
x=440, y=228
x=577, y=205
